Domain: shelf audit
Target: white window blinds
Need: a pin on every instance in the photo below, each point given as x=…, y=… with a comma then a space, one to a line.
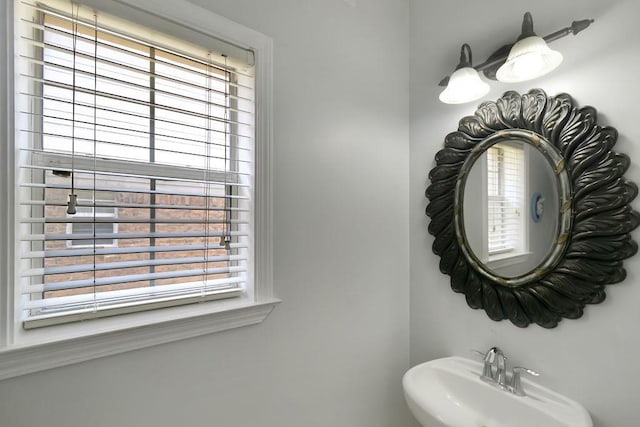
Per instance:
x=505, y=190
x=154, y=138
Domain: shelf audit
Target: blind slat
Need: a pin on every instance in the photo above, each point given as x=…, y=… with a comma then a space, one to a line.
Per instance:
x=122, y=236
x=113, y=220
x=128, y=264
x=107, y=189
x=160, y=291
x=138, y=206
x=120, y=251
x=131, y=278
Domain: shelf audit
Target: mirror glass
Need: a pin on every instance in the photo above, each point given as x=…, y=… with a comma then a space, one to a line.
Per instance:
x=511, y=207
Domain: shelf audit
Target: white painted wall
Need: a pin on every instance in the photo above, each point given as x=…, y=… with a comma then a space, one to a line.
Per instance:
x=333, y=353
x=594, y=359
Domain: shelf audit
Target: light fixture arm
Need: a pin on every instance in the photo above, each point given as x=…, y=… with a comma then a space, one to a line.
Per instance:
x=527, y=27
x=465, y=57
x=498, y=58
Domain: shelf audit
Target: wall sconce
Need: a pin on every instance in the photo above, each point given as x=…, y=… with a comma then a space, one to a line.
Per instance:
x=528, y=58
x=464, y=84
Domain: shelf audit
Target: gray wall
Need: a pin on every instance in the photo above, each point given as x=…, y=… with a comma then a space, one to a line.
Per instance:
x=333, y=353
x=542, y=180
x=593, y=359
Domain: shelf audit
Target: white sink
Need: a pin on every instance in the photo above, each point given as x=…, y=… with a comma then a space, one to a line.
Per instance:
x=448, y=392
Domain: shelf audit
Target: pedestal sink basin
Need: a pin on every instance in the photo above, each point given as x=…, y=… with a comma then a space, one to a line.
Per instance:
x=448, y=392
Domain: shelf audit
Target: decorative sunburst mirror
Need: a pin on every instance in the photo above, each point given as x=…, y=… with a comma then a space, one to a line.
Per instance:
x=530, y=208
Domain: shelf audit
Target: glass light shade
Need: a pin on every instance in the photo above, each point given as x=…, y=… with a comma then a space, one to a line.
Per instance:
x=464, y=86
x=529, y=58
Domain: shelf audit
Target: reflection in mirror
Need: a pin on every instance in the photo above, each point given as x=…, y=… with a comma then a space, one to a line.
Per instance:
x=514, y=220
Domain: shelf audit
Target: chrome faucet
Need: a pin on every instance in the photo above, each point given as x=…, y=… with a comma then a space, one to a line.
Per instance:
x=495, y=367
x=495, y=372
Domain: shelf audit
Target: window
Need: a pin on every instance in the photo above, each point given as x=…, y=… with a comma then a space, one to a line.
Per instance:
x=147, y=129
x=93, y=221
x=163, y=130
x=505, y=200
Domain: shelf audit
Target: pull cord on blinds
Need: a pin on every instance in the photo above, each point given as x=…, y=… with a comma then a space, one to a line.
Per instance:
x=155, y=141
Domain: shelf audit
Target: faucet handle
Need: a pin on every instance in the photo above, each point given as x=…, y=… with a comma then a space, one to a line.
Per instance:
x=500, y=360
x=487, y=374
x=516, y=384
x=493, y=356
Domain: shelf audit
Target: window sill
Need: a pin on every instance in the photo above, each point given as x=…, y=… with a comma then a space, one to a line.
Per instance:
x=507, y=259
x=28, y=358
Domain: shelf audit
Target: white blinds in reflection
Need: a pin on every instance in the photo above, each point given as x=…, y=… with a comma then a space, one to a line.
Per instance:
x=505, y=187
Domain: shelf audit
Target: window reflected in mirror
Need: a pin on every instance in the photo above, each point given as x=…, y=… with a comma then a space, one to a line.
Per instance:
x=505, y=201
x=503, y=233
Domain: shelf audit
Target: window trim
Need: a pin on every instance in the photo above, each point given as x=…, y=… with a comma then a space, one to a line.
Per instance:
x=23, y=352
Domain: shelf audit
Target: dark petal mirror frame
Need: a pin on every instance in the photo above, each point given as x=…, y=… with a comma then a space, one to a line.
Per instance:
x=598, y=240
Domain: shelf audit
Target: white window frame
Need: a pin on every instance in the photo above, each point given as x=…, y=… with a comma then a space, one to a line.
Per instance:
x=22, y=351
